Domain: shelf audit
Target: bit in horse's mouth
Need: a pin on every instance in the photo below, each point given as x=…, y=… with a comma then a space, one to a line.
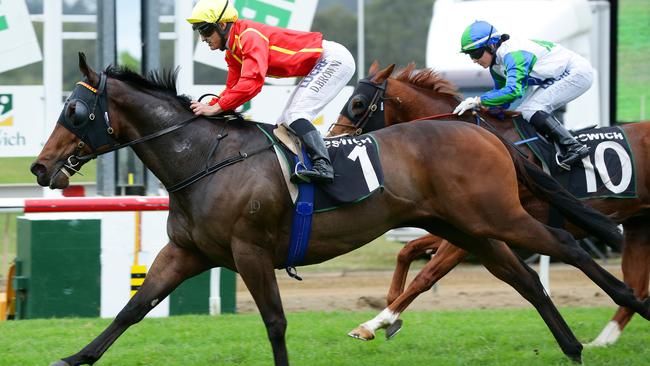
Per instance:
x=56, y=181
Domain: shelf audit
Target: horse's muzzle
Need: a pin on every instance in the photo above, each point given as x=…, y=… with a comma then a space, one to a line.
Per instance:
x=56, y=180
x=40, y=171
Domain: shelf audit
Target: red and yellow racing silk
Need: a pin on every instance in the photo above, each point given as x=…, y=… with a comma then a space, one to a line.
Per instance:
x=257, y=50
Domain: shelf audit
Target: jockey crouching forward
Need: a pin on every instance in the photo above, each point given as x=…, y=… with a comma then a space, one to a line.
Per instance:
x=545, y=74
x=254, y=51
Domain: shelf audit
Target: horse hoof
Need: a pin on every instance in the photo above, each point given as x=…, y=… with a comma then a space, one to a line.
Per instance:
x=393, y=329
x=362, y=333
x=60, y=363
x=576, y=358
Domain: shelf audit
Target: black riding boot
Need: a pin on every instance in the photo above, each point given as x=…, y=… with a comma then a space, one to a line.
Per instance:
x=548, y=125
x=322, y=171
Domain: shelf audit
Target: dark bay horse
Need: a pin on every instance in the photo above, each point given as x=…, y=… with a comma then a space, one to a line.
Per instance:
x=411, y=95
x=240, y=217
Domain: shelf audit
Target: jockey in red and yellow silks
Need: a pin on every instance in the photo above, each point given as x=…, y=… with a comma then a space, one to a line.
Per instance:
x=255, y=51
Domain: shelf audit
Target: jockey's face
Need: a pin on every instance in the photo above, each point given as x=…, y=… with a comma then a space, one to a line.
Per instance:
x=485, y=60
x=213, y=40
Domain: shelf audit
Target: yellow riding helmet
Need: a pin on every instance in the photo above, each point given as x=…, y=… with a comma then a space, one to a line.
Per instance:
x=213, y=11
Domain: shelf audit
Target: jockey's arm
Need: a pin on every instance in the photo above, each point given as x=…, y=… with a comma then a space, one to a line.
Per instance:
x=517, y=66
x=254, y=65
x=234, y=71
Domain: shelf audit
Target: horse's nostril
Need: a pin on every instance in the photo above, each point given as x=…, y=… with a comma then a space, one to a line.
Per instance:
x=38, y=169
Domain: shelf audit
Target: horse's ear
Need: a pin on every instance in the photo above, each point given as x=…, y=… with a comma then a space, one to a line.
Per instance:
x=88, y=72
x=383, y=74
x=373, y=67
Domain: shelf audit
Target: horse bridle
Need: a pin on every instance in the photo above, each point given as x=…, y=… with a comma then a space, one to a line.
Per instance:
x=82, y=122
x=83, y=125
x=376, y=103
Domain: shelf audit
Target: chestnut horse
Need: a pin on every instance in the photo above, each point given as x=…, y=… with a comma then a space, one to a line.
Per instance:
x=412, y=95
x=240, y=216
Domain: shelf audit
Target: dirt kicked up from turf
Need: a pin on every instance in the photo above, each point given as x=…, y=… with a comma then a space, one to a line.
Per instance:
x=466, y=287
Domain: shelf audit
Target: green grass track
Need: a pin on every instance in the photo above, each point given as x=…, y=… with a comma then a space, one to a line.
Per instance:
x=479, y=337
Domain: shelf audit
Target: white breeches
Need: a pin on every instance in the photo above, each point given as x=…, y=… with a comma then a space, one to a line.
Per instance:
x=330, y=74
x=555, y=93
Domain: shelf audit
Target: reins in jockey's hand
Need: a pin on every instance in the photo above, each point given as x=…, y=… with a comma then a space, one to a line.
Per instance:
x=495, y=132
x=207, y=95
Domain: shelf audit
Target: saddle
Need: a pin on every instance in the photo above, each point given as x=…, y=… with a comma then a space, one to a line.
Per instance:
x=354, y=180
x=288, y=139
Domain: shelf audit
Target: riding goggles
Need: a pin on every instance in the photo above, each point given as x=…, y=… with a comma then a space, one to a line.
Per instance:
x=205, y=29
x=475, y=54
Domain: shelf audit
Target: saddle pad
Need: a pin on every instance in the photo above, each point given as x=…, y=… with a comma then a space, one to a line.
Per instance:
x=608, y=171
x=357, y=170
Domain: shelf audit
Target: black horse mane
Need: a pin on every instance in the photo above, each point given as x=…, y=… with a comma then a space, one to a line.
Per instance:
x=427, y=79
x=163, y=81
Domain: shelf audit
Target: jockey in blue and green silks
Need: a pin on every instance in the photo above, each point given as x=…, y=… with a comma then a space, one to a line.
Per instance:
x=546, y=75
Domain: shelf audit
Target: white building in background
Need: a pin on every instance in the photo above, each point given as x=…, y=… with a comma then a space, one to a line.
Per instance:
x=580, y=25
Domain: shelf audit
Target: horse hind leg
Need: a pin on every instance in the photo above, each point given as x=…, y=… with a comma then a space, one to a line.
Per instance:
x=171, y=267
x=636, y=274
x=621, y=293
x=526, y=232
x=505, y=265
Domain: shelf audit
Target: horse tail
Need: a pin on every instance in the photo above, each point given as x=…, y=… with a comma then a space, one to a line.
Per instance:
x=545, y=187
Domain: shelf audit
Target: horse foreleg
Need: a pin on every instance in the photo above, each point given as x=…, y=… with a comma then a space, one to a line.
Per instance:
x=411, y=251
x=500, y=260
x=171, y=267
x=255, y=267
x=446, y=258
x=636, y=273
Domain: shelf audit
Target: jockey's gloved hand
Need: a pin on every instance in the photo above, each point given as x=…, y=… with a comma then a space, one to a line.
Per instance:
x=469, y=103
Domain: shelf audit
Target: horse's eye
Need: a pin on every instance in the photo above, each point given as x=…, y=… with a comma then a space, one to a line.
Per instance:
x=358, y=105
x=78, y=113
x=69, y=110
